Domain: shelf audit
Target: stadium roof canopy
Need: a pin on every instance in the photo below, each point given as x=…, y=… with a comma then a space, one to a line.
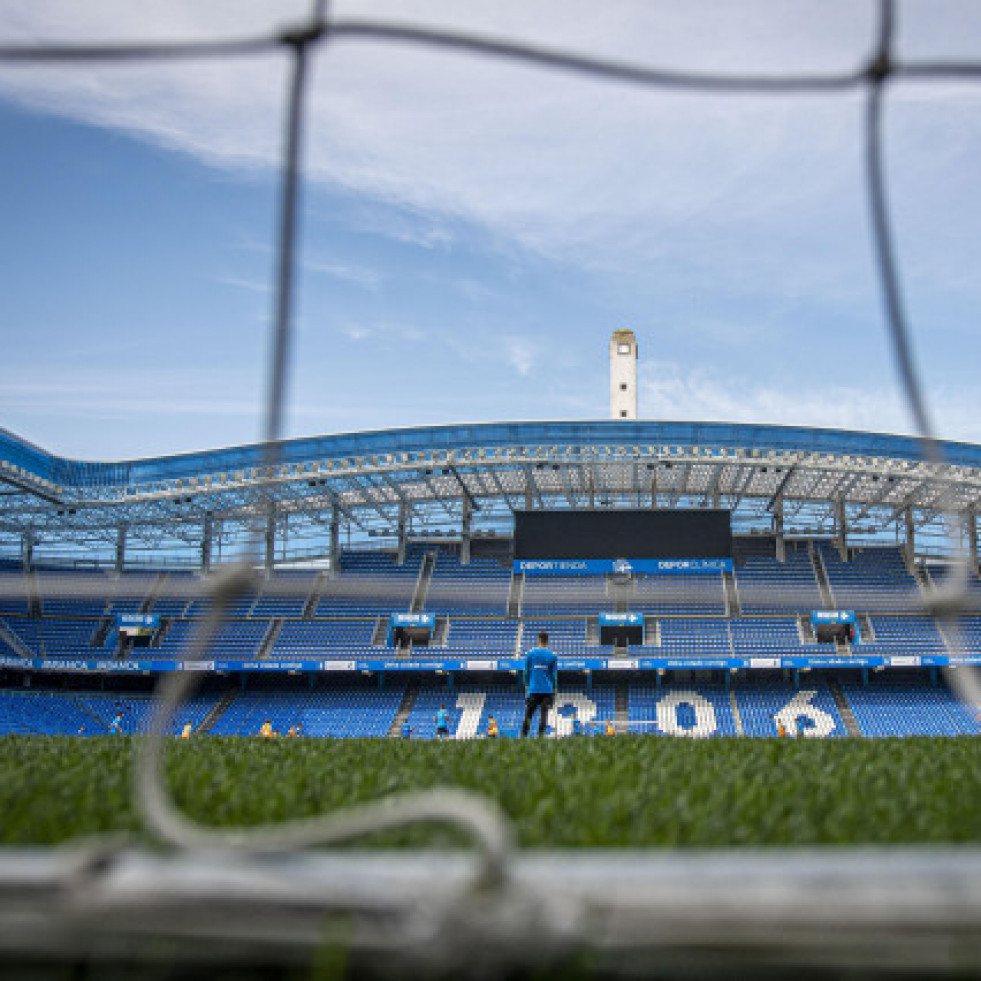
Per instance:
x=465, y=480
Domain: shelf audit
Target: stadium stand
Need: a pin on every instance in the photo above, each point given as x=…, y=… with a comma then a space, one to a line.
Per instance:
x=480, y=587
x=497, y=636
x=875, y=578
x=809, y=710
x=328, y=638
x=567, y=636
x=906, y=706
x=470, y=706
x=678, y=595
x=765, y=636
x=26, y=713
x=566, y=595
x=685, y=617
x=343, y=710
x=909, y=635
x=761, y=579
x=373, y=584
x=136, y=711
x=89, y=713
x=699, y=710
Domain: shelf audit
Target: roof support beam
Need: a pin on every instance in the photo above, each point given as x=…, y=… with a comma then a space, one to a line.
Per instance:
x=337, y=507
x=743, y=486
x=778, y=493
x=269, y=552
x=887, y=488
x=397, y=491
x=971, y=529
x=908, y=501
x=841, y=528
x=28, y=541
x=437, y=497
x=532, y=490
x=712, y=488
x=464, y=490
x=682, y=486
x=335, y=541
x=120, y=547
x=207, y=540
x=499, y=485
x=567, y=488
x=781, y=542
x=368, y=499
x=29, y=488
x=465, y=531
x=402, y=528
x=909, y=544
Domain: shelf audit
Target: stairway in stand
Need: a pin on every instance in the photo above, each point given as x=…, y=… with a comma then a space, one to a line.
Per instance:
x=404, y=711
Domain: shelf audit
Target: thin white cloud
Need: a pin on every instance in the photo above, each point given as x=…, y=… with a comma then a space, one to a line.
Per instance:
x=605, y=176
x=659, y=195
x=154, y=399
x=347, y=272
x=357, y=332
x=554, y=162
x=521, y=354
x=667, y=391
x=385, y=331
x=243, y=283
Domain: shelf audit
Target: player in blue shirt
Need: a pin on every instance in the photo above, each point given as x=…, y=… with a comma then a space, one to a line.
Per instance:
x=541, y=676
x=442, y=723
x=576, y=726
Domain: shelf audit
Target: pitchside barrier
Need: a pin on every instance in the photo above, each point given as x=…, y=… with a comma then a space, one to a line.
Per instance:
x=244, y=896
x=484, y=664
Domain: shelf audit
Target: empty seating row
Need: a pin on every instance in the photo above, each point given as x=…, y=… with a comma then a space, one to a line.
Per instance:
x=350, y=707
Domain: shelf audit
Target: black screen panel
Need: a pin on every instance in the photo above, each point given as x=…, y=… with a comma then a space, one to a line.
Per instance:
x=638, y=534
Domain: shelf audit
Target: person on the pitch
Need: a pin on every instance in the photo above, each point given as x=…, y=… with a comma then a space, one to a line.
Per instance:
x=576, y=726
x=406, y=730
x=541, y=676
x=442, y=723
x=492, y=731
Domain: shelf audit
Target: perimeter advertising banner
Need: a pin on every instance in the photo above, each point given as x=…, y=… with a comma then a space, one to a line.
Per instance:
x=623, y=567
x=453, y=665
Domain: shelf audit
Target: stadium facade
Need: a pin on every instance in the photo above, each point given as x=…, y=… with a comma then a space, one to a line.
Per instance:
x=398, y=590
x=464, y=481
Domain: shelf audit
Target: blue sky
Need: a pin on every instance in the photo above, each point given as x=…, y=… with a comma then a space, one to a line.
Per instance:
x=473, y=232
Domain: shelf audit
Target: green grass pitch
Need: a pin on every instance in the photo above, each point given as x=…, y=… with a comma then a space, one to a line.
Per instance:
x=626, y=791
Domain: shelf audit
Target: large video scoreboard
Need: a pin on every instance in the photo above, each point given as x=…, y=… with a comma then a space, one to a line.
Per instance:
x=627, y=534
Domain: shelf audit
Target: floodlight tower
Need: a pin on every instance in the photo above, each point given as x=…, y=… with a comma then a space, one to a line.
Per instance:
x=623, y=375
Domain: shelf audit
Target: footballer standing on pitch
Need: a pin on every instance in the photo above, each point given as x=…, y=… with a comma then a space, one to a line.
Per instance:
x=541, y=674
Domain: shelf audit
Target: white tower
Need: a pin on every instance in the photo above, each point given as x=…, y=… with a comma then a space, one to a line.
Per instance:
x=623, y=375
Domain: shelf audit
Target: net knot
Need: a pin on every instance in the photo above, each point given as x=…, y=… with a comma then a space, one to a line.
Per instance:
x=300, y=37
x=880, y=68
